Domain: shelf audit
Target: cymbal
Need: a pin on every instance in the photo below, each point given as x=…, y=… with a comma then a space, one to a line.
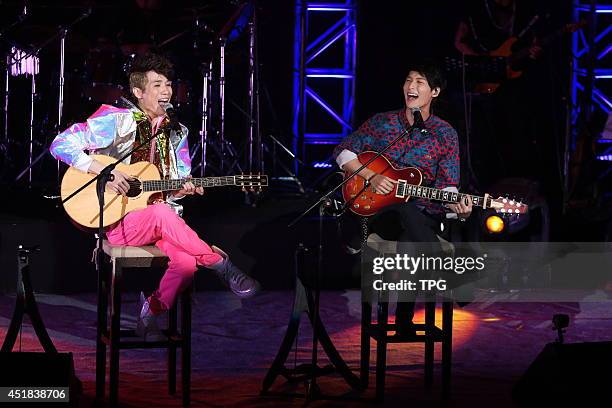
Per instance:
x=136, y=48
x=35, y=35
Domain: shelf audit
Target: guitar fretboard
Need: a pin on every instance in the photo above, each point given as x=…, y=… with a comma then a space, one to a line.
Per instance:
x=404, y=189
x=177, y=184
x=542, y=42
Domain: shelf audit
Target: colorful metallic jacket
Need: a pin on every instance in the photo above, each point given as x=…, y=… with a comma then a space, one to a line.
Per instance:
x=111, y=131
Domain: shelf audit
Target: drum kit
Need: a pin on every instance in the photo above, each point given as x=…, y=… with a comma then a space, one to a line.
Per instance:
x=105, y=71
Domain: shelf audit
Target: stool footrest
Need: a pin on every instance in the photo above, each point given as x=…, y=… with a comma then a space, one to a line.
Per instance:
x=378, y=333
x=130, y=340
x=303, y=372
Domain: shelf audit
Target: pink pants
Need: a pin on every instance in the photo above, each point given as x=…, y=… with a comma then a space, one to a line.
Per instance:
x=159, y=224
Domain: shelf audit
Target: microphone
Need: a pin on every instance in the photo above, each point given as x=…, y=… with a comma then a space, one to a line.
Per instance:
x=171, y=113
x=418, y=118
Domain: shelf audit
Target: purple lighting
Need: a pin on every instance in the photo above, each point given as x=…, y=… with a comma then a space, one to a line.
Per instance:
x=327, y=44
x=605, y=52
x=329, y=73
x=329, y=7
x=328, y=108
x=601, y=8
x=324, y=29
x=604, y=99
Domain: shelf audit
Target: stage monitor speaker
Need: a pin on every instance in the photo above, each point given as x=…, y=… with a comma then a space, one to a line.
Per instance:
x=30, y=369
x=567, y=372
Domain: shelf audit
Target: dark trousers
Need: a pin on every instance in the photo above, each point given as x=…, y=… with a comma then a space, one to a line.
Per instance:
x=404, y=222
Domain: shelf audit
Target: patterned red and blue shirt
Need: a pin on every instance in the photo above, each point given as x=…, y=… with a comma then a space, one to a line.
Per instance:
x=434, y=152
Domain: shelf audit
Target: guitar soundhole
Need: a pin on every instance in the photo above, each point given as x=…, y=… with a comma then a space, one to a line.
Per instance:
x=135, y=188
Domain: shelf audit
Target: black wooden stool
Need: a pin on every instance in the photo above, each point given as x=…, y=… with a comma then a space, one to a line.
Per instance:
x=117, y=339
x=379, y=331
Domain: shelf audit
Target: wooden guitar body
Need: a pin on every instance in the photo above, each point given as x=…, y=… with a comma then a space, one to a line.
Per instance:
x=83, y=208
x=366, y=202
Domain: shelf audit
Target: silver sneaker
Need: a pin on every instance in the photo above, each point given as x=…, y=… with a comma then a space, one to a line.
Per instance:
x=241, y=284
x=146, y=325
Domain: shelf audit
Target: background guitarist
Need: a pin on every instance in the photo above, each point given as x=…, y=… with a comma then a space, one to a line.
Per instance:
x=113, y=131
x=435, y=152
x=508, y=123
x=489, y=24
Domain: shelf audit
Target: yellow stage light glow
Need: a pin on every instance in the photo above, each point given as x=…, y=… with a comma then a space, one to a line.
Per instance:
x=495, y=224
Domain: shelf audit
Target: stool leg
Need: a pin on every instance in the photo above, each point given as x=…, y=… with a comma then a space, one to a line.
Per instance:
x=447, y=347
x=430, y=322
x=100, y=332
x=186, y=346
x=366, y=321
x=115, y=334
x=381, y=350
x=172, y=351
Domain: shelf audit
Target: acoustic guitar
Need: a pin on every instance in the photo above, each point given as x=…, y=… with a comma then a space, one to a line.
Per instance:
x=83, y=207
x=364, y=201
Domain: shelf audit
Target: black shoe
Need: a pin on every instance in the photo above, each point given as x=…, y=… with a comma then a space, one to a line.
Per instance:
x=405, y=331
x=146, y=325
x=241, y=284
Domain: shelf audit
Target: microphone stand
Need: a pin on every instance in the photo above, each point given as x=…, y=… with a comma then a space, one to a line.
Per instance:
x=323, y=203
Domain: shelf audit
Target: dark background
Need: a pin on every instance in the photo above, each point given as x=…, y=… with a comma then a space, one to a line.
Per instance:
x=390, y=34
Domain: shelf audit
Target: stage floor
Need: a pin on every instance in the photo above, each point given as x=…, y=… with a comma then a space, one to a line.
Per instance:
x=234, y=343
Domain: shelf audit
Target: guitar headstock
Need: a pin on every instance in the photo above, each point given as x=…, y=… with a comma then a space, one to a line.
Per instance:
x=573, y=27
x=506, y=205
x=251, y=182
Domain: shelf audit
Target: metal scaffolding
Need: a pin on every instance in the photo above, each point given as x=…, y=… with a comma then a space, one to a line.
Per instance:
x=591, y=88
x=324, y=74
x=591, y=73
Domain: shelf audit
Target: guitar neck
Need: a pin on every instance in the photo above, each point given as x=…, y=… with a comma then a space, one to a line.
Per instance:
x=524, y=52
x=436, y=194
x=177, y=184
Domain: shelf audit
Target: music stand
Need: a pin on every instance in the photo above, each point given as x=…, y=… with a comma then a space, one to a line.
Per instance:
x=304, y=301
x=312, y=299
x=477, y=68
x=26, y=304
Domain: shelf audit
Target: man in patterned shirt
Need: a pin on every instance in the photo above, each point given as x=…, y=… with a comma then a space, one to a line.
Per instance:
x=434, y=151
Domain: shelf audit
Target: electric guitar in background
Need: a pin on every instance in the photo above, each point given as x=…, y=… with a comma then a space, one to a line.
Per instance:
x=515, y=56
x=365, y=202
x=83, y=207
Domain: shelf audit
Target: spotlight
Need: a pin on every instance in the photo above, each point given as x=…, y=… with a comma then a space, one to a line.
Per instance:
x=495, y=224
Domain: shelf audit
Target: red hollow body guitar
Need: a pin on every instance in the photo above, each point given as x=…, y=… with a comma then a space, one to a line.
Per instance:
x=365, y=202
